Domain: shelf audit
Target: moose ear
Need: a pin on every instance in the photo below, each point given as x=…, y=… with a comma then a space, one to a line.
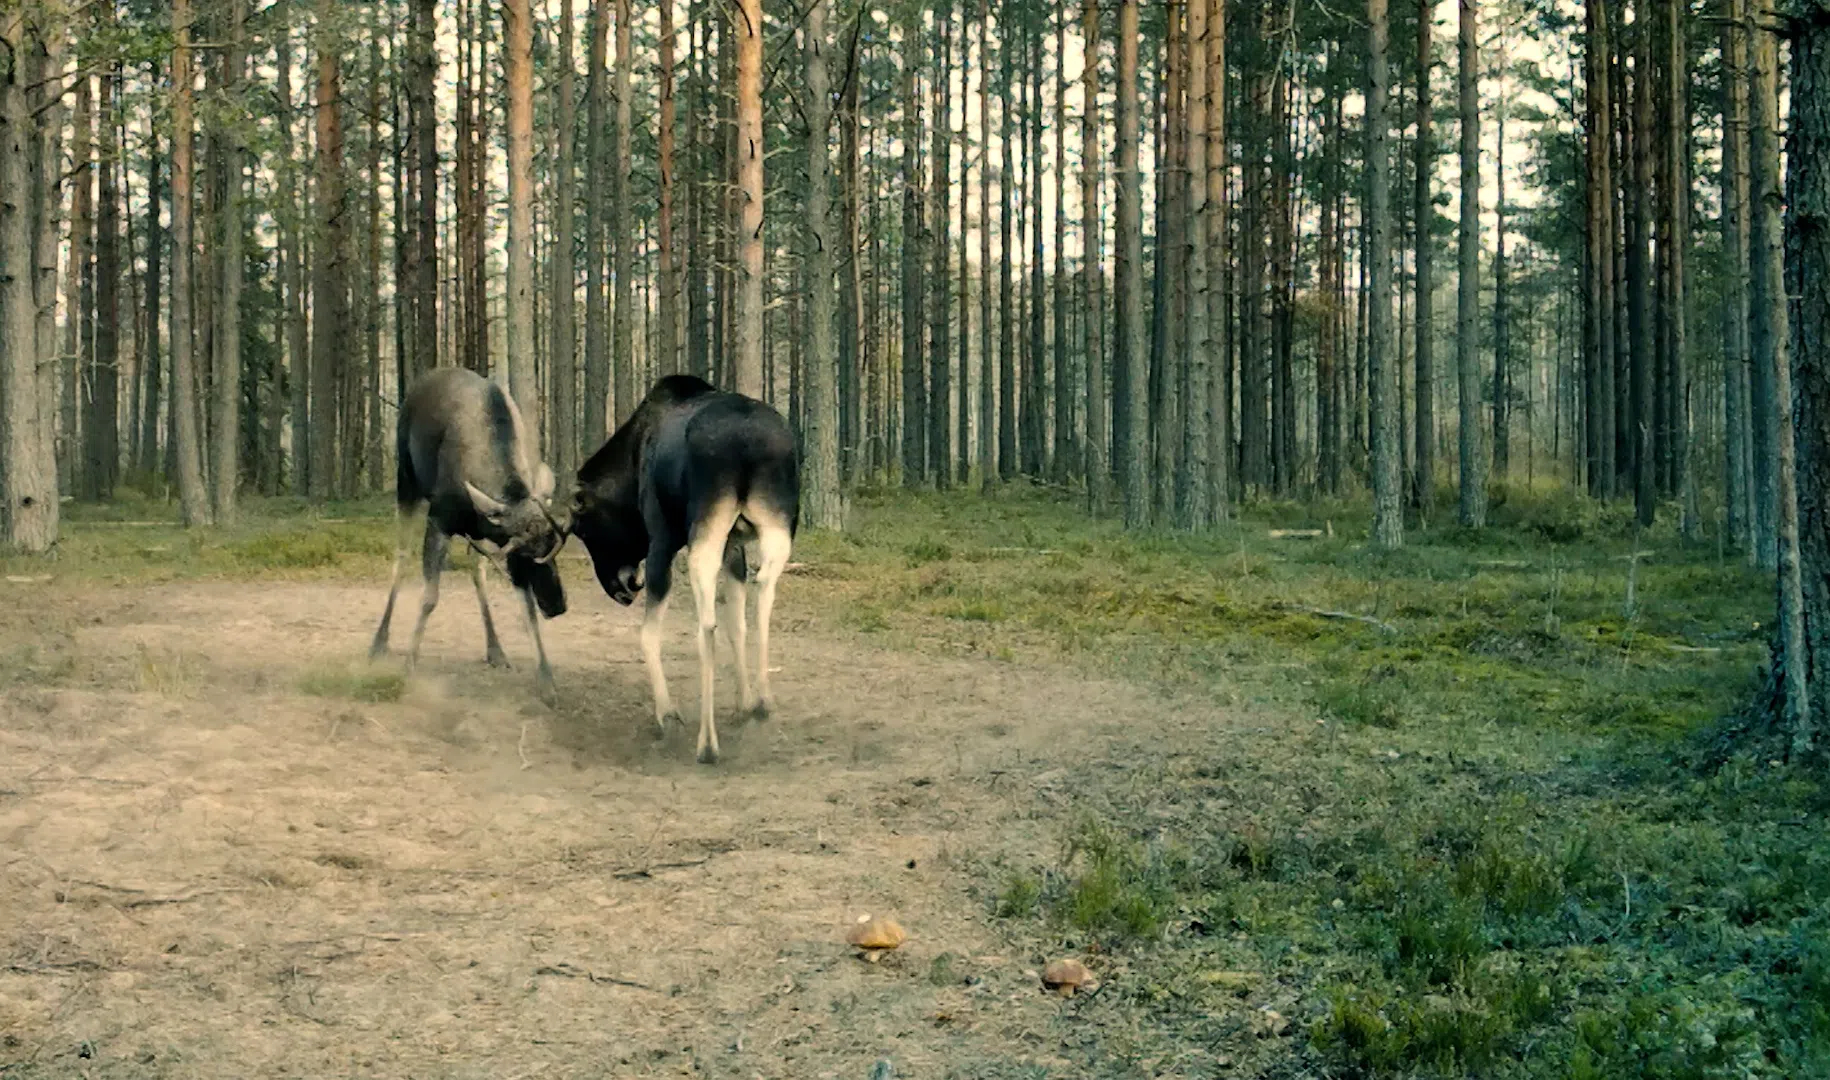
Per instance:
x=544, y=482
x=485, y=505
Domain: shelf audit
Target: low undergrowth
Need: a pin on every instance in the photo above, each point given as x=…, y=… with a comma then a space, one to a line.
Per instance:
x=1482, y=847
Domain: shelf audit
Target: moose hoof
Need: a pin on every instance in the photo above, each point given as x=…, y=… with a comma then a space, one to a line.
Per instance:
x=497, y=659
x=378, y=650
x=545, y=686
x=756, y=713
x=665, y=722
x=708, y=755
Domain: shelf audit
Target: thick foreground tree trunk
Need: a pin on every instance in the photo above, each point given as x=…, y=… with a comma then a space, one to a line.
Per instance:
x=1473, y=451
x=820, y=424
x=1381, y=358
x=523, y=375
x=188, y=450
x=749, y=313
x=1133, y=455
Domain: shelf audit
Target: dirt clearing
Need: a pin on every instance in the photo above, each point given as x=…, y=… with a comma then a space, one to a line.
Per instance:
x=228, y=846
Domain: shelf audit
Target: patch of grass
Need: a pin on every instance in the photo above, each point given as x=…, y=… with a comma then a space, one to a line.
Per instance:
x=373, y=686
x=1360, y=704
x=1021, y=896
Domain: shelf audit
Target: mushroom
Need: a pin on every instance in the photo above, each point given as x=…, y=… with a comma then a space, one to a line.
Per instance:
x=1065, y=977
x=874, y=937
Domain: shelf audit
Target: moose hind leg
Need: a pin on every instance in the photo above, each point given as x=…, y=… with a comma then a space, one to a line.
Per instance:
x=733, y=597
x=403, y=520
x=492, y=645
x=704, y=562
x=657, y=590
x=431, y=565
x=774, y=545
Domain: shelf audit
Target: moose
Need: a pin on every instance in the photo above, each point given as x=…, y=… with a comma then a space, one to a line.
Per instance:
x=716, y=474
x=460, y=439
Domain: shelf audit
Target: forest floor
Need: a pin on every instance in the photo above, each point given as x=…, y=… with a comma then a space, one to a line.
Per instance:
x=1305, y=809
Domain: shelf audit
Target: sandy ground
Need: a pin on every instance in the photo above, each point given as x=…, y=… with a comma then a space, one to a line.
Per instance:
x=207, y=871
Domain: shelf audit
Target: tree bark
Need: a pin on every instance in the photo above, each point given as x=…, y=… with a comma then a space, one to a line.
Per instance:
x=225, y=425
x=854, y=331
x=940, y=281
x=1067, y=393
x=1738, y=443
x=193, y=499
x=1805, y=640
x=1007, y=260
x=914, y=384
x=1134, y=453
x=1598, y=291
x=518, y=64
x=1381, y=369
x=625, y=229
x=597, y=340
x=1219, y=385
x=1191, y=479
x=147, y=461
x=101, y=439
x=988, y=383
x=668, y=346
x=1473, y=505
x=1423, y=486
x=1677, y=211
x=1098, y=471
x=1641, y=206
x=1035, y=393
x=1502, y=310
x=79, y=288
x=563, y=350
x=749, y=309
x=330, y=263
x=1170, y=307
x=820, y=426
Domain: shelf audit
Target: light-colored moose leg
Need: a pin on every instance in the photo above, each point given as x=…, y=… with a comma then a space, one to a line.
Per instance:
x=774, y=546
x=492, y=645
x=653, y=615
x=704, y=562
x=431, y=565
x=402, y=523
x=733, y=595
x=543, y=674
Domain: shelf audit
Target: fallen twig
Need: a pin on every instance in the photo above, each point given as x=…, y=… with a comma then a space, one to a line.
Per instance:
x=62, y=968
x=1295, y=534
x=185, y=898
x=569, y=971
x=650, y=871
x=1321, y=613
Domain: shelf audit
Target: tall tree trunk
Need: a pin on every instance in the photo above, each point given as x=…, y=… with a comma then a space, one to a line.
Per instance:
x=1803, y=655
x=292, y=214
x=28, y=168
x=1424, y=475
x=1169, y=308
x=1219, y=384
x=193, y=499
x=820, y=427
x=1283, y=376
x=597, y=164
x=962, y=391
x=33, y=519
x=988, y=384
x=1473, y=505
x=1770, y=323
x=1098, y=471
x=225, y=425
x=914, y=400
x=1328, y=241
x=564, y=348
x=518, y=63
x=624, y=228
x=330, y=263
x=749, y=131
x=1035, y=393
x=1639, y=275
x=79, y=288
x=853, y=327
x=669, y=272
x=1598, y=291
x=1007, y=260
x=101, y=438
x=1381, y=368
x=1191, y=479
x=1134, y=452
x=422, y=156
x=372, y=456
x=1738, y=440
x=1066, y=459
x=1502, y=311
x=147, y=461
x=1677, y=211
x=940, y=281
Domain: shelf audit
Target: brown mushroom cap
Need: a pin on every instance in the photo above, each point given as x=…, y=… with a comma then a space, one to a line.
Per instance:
x=1066, y=976
x=878, y=933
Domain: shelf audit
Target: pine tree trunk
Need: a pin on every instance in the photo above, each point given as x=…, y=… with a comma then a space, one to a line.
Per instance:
x=962, y=389
x=79, y=296
x=1598, y=291
x=825, y=499
x=914, y=384
x=373, y=466
x=1328, y=240
x=1007, y=260
x=28, y=478
x=1035, y=392
x=1677, y=211
x=668, y=347
x=1424, y=473
x=940, y=356
x=37, y=524
x=1473, y=505
x=1283, y=376
x=1067, y=393
x=1738, y=443
x=101, y=439
x=1219, y=396
x=1502, y=311
x=1169, y=307
x=1639, y=277
x=854, y=329
x=1098, y=470
x=1191, y=478
x=147, y=461
x=988, y=383
x=1134, y=451
x=330, y=263
x=292, y=214
x=597, y=164
x=225, y=424
x=193, y=499
x=623, y=394
x=749, y=133
x=1381, y=368
x=563, y=365
x=518, y=64
x=1805, y=559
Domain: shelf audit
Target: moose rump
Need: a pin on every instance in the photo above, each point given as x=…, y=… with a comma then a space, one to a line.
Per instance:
x=715, y=474
x=460, y=438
